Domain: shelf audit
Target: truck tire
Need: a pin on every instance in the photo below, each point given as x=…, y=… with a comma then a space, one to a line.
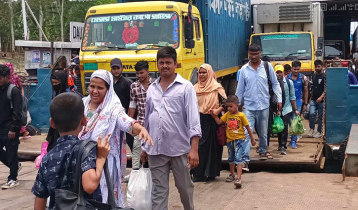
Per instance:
x=33, y=131
x=231, y=90
x=225, y=84
x=342, y=150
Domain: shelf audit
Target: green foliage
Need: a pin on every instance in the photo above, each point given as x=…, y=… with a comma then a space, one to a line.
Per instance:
x=74, y=11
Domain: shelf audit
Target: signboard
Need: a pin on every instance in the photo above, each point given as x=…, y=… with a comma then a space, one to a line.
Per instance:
x=339, y=7
x=76, y=30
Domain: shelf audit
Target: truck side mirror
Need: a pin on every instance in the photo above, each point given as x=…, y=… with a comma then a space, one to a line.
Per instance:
x=189, y=33
x=320, y=43
x=319, y=53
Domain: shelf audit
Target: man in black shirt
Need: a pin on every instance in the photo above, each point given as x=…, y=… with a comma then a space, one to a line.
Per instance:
x=122, y=87
x=316, y=104
x=10, y=125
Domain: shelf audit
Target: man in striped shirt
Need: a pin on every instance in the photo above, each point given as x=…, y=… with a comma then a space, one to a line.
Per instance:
x=138, y=94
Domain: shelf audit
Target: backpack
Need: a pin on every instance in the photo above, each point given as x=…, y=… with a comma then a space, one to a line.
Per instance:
x=24, y=104
x=273, y=97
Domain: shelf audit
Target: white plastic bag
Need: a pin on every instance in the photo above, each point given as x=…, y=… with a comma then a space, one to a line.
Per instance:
x=139, y=193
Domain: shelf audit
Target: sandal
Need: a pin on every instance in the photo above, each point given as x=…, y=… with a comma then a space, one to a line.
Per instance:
x=268, y=155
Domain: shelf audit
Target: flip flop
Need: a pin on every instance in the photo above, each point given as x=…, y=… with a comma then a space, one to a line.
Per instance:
x=268, y=155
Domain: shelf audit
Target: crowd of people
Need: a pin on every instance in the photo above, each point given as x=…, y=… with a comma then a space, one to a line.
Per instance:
x=167, y=122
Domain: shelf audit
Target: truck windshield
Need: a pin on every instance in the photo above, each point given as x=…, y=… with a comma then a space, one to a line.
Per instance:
x=333, y=49
x=131, y=31
x=285, y=46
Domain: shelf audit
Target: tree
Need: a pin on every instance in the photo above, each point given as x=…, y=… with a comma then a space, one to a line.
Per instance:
x=54, y=15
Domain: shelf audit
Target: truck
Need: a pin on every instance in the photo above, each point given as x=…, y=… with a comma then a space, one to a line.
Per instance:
x=289, y=31
x=337, y=30
x=216, y=33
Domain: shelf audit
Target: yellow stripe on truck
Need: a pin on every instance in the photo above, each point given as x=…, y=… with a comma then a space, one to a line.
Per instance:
x=225, y=72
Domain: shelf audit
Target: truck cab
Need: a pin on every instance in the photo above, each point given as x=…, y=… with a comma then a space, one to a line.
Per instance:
x=135, y=31
x=288, y=32
x=283, y=48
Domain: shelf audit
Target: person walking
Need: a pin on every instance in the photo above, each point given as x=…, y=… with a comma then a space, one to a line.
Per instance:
x=78, y=80
x=15, y=80
x=137, y=102
x=316, y=103
x=300, y=82
x=210, y=95
x=288, y=107
x=173, y=120
x=235, y=122
x=59, y=85
x=253, y=88
x=245, y=61
x=105, y=115
x=10, y=126
x=122, y=87
x=287, y=70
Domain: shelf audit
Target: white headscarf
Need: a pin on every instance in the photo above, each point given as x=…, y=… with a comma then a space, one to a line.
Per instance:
x=109, y=118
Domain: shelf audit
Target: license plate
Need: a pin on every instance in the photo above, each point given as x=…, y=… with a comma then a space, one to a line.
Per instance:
x=90, y=66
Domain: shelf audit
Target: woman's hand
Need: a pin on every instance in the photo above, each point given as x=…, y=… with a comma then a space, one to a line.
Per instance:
x=215, y=112
x=144, y=135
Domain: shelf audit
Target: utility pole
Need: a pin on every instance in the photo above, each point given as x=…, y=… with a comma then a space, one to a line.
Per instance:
x=12, y=26
x=24, y=21
x=62, y=37
x=41, y=23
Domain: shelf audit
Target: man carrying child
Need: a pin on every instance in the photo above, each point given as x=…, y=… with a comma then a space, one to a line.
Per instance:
x=235, y=121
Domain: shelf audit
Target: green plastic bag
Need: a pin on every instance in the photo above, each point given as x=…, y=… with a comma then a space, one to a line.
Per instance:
x=277, y=126
x=297, y=126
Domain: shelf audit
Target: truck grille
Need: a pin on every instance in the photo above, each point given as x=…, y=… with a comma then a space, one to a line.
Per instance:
x=130, y=75
x=300, y=12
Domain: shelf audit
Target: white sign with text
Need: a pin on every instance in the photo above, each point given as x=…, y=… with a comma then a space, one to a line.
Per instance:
x=76, y=31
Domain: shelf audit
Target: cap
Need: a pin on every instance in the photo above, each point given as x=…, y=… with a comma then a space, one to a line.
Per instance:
x=279, y=68
x=116, y=62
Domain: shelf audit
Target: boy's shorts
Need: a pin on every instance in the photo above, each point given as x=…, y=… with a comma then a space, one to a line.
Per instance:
x=236, y=151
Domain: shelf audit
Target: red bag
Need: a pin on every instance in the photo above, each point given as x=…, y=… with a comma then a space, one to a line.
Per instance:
x=221, y=133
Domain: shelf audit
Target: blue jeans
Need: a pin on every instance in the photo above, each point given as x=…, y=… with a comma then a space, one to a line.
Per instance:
x=260, y=118
x=236, y=150
x=314, y=107
x=299, y=109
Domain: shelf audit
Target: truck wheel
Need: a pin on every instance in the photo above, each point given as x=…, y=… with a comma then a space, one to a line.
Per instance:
x=231, y=90
x=194, y=76
x=225, y=84
x=342, y=150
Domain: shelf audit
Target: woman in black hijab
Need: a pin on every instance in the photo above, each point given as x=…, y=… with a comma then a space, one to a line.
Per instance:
x=59, y=80
x=59, y=85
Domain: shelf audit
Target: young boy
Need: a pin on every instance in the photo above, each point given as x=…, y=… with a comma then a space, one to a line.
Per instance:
x=236, y=121
x=67, y=117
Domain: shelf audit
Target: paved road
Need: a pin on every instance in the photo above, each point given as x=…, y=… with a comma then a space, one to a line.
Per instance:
x=261, y=190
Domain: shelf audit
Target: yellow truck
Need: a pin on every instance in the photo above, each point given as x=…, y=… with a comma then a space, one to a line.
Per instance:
x=135, y=31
